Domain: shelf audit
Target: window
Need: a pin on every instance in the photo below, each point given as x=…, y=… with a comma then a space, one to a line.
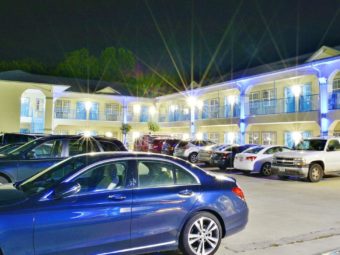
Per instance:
x=254, y=137
x=49, y=149
x=336, y=84
x=160, y=174
x=94, y=111
x=110, y=176
x=81, y=146
x=25, y=107
x=333, y=145
x=273, y=150
x=254, y=96
x=111, y=112
x=268, y=138
x=62, y=109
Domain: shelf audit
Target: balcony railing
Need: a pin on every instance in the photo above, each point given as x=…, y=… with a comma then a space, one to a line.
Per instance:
x=284, y=105
x=83, y=115
x=219, y=112
x=174, y=116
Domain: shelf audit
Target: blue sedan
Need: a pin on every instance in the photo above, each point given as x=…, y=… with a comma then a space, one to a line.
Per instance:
x=120, y=203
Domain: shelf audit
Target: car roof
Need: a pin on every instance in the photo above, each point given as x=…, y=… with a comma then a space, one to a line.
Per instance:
x=53, y=137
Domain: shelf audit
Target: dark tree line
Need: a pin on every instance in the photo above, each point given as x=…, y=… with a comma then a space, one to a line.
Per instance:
x=112, y=65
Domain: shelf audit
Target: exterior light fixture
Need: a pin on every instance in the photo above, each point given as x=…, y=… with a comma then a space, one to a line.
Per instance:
x=296, y=90
x=135, y=135
x=108, y=134
x=152, y=110
x=173, y=108
x=136, y=109
x=199, y=136
x=191, y=101
x=87, y=134
x=297, y=137
x=231, y=100
x=199, y=104
x=88, y=105
x=323, y=80
x=185, y=136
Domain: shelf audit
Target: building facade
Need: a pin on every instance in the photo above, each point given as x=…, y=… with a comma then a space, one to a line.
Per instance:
x=273, y=107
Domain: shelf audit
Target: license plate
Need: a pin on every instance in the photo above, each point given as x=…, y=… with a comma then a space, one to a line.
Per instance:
x=216, y=161
x=281, y=169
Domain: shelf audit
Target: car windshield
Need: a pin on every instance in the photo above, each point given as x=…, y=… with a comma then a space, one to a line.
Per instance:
x=53, y=175
x=254, y=150
x=311, y=145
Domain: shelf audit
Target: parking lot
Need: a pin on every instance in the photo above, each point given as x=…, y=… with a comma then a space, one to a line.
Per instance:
x=287, y=217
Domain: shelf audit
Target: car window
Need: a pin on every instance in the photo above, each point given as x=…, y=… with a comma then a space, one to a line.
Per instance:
x=333, y=145
x=106, y=177
x=272, y=150
x=183, y=177
x=111, y=146
x=48, y=149
x=155, y=174
x=254, y=150
x=80, y=146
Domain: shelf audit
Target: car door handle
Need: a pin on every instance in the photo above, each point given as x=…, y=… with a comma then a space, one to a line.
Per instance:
x=186, y=193
x=116, y=197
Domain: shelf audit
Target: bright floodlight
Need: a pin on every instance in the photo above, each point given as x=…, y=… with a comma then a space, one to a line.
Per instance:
x=88, y=105
x=296, y=90
x=108, y=134
x=152, y=110
x=199, y=136
x=191, y=101
x=231, y=100
x=87, y=134
x=136, y=108
x=297, y=137
x=135, y=135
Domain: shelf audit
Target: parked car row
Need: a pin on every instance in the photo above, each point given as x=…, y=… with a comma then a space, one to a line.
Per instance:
x=21, y=162
x=167, y=202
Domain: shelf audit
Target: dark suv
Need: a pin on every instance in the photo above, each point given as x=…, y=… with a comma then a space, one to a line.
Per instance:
x=42, y=153
x=13, y=138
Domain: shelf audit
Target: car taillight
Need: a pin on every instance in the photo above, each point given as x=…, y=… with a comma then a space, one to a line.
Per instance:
x=238, y=192
x=225, y=156
x=251, y=158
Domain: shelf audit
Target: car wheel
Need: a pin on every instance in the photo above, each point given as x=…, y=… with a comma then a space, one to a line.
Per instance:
x=266, y=169
x=4, y=180
x=222, y=168
x=315, y=173
x=201, y=235
x=193, y=157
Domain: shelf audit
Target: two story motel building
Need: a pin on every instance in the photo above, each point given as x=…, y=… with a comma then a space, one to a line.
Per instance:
x=273, y=104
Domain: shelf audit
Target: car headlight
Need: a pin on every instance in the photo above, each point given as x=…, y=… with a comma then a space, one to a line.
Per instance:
x=300, y=162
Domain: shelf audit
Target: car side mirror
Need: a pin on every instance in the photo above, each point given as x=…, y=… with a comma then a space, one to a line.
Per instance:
x=66, y=189
x=331, y=148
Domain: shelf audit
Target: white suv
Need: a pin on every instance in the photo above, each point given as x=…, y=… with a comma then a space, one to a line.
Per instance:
x=311, y=159
x=189, y=149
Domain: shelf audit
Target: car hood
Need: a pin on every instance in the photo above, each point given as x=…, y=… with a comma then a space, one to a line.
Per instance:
x=297, y=154
x=10, y=195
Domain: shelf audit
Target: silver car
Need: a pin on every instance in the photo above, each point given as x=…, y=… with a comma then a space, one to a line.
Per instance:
x=204, y=155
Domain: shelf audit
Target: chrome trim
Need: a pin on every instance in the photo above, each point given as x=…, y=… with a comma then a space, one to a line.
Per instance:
x=138, y=248
x=131, y=158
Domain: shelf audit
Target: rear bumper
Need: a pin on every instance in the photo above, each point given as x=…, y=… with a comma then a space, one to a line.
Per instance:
x=206, y=159
x=243, y=167
x=290, y=171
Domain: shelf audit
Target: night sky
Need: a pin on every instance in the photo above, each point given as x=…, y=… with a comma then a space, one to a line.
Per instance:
x=247, y=33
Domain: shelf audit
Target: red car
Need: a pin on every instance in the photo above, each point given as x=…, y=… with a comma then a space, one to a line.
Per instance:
x=145, y=142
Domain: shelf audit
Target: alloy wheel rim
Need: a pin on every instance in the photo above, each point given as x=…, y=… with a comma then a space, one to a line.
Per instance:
x=203, y=236
x=267, y=169
x=193, y=158
x=315, y=173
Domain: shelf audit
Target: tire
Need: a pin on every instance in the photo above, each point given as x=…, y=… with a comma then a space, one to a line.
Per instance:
x=315, y=173
x=193, y=157
x=247, y=173
x=4, y=180
x=223, y=168
x=196, y=235
x=266, y=169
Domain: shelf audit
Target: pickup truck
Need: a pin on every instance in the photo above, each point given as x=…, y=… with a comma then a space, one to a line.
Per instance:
x=311, y=158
